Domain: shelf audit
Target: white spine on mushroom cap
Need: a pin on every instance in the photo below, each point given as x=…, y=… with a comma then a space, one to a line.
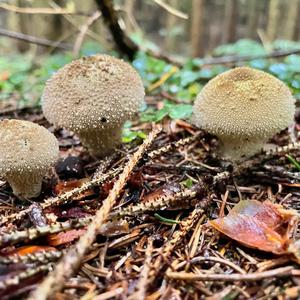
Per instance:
x=244, y=108
x=27, y=151
x=93, y=96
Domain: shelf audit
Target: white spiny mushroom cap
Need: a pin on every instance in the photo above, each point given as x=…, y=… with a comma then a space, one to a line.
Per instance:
x=93, y=92
x=25, y=147
x=244, y=104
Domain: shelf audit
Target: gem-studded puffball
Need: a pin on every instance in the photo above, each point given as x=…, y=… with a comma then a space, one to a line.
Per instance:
x=93, y=92
x=27, y=151
x=244, y=105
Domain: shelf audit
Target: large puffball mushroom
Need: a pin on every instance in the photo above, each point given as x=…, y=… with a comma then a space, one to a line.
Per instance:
x=94, y=96
x=27, y=151
x=244, y=108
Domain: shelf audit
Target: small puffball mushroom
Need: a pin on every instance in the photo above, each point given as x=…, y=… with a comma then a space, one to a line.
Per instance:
x=244, y=108
x=94, y=96
x=27, y=151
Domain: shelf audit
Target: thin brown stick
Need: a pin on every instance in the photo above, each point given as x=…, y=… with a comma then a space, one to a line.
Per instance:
x=171, y=10
x=71, y=261
x=121, y=39
x=141, y=287
x=34, y=40
x=62, y=199
x=280, y=272
x=211, y=258
x=177, y=237
x=83, y=30
x=235, y=59
x=39, y=10
x=18, y=278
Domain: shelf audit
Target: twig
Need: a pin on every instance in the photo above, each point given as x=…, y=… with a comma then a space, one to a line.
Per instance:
x=122, y=41
x=283, y=149
x=64, y=198
x=72, y=259
x=15, y=280
x=163, y=79
x=174, y=145
x=171, y=10
x=83, y=30
x=33, y=233
x=73, y=22
x=177, y=237
x=141, y=286
x=235, y=59
x=211, y=258
x=34, y=40
x=39, y=10
x=280, y=272
x=41, y=257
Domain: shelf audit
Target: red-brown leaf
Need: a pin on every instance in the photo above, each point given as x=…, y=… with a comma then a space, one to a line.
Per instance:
x=264, y=226
x=66, y=186
x=165, y=190
x=65, y=237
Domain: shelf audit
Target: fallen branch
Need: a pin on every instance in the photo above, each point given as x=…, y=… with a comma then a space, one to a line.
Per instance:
x=36, y=257
x=280, y=272
x=185, y=226
x=18, y=278
x=34, y=40
x=122, y=41
x=72, y=259
x=40, y=10
x=141, y=286
x=235, y=59
x=83, y=30
x=171, y=10
x=64, y=198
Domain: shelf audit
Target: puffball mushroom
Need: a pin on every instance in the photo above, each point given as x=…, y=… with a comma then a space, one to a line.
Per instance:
x=244, y=108
x=27, y=151
x=94, y=96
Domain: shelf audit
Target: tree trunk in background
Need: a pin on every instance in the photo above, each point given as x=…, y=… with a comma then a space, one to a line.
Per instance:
x=291, y=20
x=23, y=23
x=170, y=40
x=273, y=18
x=252, y=20
x=230, y=21
x=197, y=28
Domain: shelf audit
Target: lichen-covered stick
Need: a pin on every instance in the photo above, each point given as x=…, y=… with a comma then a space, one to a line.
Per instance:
x=72, y=259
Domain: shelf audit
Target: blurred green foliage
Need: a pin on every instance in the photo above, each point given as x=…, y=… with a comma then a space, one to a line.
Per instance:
x=22, y=77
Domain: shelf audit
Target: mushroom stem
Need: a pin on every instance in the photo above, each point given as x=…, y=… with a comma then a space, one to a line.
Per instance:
x=101, y=142
x=235, y=148
x=25, y=185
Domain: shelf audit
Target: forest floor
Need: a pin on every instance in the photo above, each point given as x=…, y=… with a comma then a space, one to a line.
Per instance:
x=158, y=242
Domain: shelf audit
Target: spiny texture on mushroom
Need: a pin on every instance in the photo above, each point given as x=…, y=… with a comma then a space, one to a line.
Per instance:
x=93, y=94
x=244, y=107
x=27, y=150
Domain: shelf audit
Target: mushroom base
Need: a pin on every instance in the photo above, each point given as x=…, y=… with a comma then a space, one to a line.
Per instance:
x=25, y=185
x=239, y=148
x=101, y=142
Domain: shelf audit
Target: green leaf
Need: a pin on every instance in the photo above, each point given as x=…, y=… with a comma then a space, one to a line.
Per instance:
x=187, y=183
x=293, y=161
x=181, y=111
x=165, y=220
